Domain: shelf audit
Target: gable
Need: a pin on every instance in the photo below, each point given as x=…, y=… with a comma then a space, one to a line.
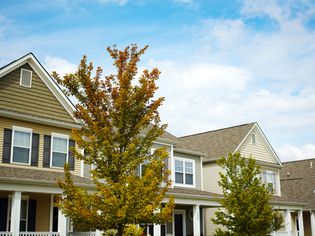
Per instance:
x=260, y=150
x=35, y=101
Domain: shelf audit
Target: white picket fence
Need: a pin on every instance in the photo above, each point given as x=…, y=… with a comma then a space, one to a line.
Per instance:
x=39, y=234
x=5, y=233
x=81, y=233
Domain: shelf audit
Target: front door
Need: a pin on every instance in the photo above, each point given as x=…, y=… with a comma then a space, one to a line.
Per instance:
x=179, y=223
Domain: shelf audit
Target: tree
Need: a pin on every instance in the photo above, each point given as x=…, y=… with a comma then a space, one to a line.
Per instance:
x=120, y=122
x=245, y=203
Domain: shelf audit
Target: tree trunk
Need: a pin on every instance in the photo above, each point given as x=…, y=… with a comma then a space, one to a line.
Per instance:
x=120, y=230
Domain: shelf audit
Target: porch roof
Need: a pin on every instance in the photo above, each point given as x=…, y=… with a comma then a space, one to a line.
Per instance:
x=35, y=175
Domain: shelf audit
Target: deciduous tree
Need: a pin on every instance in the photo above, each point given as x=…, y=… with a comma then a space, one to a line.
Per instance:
x=246, y=208
x=120, y=123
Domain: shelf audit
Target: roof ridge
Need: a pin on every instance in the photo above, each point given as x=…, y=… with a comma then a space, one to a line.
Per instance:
x=29, y=53
x=209, y=131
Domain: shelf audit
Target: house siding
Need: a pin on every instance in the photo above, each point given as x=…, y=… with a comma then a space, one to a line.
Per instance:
x=41, y=130
x=42, y=211
x=197, y=166
x=211, y=177
x=260, y=150
x=36, y=101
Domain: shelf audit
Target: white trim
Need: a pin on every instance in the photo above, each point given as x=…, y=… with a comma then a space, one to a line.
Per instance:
x=194, y=172
x=46, y=78
x=51, y=212
x=63, y=136
x=25, y=130
x=21, y=73
x=265, y=139
x=183, y=213
x=201, y=173
x=170, y=167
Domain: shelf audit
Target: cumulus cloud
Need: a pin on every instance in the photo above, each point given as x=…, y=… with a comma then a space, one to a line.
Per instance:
x=60, y=65
x=291, y=152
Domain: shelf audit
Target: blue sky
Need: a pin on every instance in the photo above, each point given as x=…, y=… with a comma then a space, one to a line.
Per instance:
x=223, y=62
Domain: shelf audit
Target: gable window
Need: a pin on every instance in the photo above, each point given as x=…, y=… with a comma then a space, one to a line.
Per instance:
x=184, y=172
x=59, y=150
x=26, y=78
x=21, y=145
x=269, y=179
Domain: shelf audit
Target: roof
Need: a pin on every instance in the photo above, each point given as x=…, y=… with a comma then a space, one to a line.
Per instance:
x=297, y=180
x=45, y=176
x=217, y=143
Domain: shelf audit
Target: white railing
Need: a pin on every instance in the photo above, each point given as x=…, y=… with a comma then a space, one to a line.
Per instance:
x=5, y=233
x=81, y=233
x=38, y=234
x=284, y=233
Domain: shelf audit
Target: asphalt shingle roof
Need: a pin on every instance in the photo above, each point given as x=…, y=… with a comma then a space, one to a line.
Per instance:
x=297, y=180
x=217, y=143
x=29, y=174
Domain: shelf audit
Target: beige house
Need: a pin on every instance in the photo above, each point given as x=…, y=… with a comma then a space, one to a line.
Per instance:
x=249, y=140
x=297, y=180
x=36, y=119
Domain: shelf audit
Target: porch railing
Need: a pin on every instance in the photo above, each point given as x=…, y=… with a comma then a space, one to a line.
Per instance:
x=5, y=233
x=81, y=233
x=38, y=234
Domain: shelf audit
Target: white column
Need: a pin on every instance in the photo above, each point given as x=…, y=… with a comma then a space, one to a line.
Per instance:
x=62, y=224
x=288, y=226
x=301, y=225
x=312, y=215
x=16, y=213
x=196, y=217
x=157, y=230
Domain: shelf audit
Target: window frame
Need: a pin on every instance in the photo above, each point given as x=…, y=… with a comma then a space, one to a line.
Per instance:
x=184, y=160
x=21, y=73
x=266, y=182
x=63, y=136
x=253, y=138
x=25, y=130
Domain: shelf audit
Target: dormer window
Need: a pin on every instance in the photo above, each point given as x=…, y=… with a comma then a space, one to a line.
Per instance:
x=26, y=78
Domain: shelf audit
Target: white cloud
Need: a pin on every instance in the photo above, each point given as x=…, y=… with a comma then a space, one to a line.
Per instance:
x=119, y=2
x=289, y=152
x=60, y=65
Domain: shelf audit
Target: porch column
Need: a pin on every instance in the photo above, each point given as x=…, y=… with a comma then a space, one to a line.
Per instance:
x=156, y=230
x=196, y=217
x=16, y=213
x=301, y=225
x=288, y=226
x=312, y=215
x=62, y=224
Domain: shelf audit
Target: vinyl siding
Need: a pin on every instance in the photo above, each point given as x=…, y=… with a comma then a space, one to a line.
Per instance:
x=260, y=150
x=197, y=166
x=210, y=227
x=42, y=211
x=36, y=101
x=41, y=130
x=211, y=177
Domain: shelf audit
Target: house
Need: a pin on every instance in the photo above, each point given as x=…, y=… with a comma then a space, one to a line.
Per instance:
x=36, y=119
x=249, y=141
x=297, y=180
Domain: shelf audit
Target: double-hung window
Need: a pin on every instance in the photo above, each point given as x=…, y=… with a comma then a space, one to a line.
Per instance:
x=21, y=145
x=184, y=172
x=59, y=150
x=269, y=179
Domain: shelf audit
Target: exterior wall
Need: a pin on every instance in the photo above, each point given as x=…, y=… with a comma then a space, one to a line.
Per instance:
x=41, y=130
x=211, y=177
x=42, y=211
x=210, y=227
x=307, y=223
x=259, y=150
x=36, y=101
x=188, y=219
x=197, y=166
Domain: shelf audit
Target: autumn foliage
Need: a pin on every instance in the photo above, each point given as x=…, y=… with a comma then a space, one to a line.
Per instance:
x=120, y=122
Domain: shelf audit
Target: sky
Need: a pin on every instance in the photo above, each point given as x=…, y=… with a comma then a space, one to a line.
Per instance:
x=222, y=62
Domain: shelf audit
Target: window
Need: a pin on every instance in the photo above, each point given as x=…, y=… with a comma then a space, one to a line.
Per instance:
x=21, y=145
x=269, y=179
x=23, y=215
x=184, y=172
x=26, y=78
x=59, y=150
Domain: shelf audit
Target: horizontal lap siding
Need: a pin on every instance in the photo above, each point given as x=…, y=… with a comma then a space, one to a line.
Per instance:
x=211, y=177
x=37, y=100
x=42, y=212
x=260, y=150
x=40, y=129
